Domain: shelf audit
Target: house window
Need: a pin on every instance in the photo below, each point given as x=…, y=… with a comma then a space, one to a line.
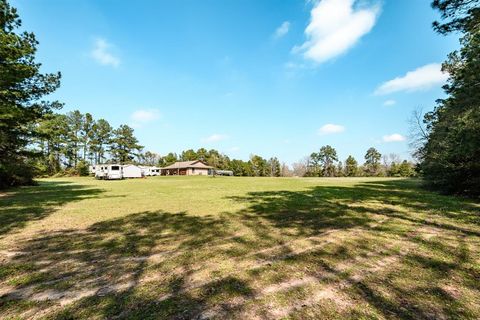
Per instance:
x=193, y=170
x=115, y=168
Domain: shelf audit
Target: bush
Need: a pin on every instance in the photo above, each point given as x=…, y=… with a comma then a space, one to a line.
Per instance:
x=82, y=168
x=15, y=174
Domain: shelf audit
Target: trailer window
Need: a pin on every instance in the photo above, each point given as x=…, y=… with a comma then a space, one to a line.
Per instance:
x=115, y=168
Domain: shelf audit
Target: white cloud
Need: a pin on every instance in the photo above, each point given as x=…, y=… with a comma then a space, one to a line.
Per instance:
x=330, y=128
x=144, y=116
x=394, y=138
x=389, y=103
x=282, y=30
x=215, y=138
x=101, y=53
x=422, y=78
x=336, y=26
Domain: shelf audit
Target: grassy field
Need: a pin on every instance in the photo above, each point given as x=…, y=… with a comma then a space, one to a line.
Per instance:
x=241, y=248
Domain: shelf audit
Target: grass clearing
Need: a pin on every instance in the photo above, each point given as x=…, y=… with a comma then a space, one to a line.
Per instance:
x=237, y=248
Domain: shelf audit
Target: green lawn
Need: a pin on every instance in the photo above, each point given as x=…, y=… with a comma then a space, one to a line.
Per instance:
x=241, y=248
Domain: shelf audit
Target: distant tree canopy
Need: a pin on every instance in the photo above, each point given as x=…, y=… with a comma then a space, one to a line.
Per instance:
x=372, y=161
x=21, y=88
x=68, y=141
x=450, y=156
x=325, y=164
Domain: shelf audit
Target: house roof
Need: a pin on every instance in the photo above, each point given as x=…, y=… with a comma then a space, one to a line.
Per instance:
x=188, y=164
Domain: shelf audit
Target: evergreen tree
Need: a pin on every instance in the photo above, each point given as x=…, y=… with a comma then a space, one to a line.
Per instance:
x=75, y=124
x=124, y=146
x=450, y=157
x=102, y=134
x=314, y=167
x=259, y=166
x=21, y=88
x=189, y=155
x=169, y=159
x=86, y=135
x=351, y=167
x=327, y=157
x=372, y=162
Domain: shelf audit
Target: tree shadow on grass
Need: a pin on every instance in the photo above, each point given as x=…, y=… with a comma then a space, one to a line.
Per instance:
x=106, y=271
x=26, y=204
x=161, y=265
x=433, y=228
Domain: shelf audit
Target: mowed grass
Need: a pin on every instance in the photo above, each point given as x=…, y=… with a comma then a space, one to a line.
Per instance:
x=237, y=248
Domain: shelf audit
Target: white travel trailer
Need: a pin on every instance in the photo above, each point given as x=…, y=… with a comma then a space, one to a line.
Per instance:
x=91, y=170
x=108, y=171
x=145, y=170
x=154, y=171
x=132, y=171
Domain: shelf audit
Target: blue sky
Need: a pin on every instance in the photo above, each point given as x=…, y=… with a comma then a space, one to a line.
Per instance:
x=275, y=78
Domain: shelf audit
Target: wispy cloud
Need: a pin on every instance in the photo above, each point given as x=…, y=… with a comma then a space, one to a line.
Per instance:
x=144, y=116
x=330, y=128
x=282, y=30
x=102, y=54
x=389, y=103
x=335, y=27
x=422, y=78
x=215, y=138
x=396, y=137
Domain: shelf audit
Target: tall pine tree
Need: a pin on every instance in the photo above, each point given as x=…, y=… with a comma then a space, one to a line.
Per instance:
x=21, y=88
x=450, y=157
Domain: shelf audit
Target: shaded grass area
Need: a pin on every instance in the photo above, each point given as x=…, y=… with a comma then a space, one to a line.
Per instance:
x=35, y=203
x=297, y=249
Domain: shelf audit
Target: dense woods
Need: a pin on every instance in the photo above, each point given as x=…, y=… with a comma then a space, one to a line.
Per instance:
x=450, y=153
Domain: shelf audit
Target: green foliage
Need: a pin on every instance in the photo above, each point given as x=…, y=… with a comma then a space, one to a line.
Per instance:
x=259, y=166
x=372, y=162
x=124, y=146
x=189, y=155
x=82, y=168
x=458, y=15
x=102, y=134
x=450, y=157
x=21, y=88
x=351, y=167
x=150, y=158
x=274, y=168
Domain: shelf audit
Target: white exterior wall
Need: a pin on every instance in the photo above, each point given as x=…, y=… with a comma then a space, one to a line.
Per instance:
x=197, y=172
x=132, y=171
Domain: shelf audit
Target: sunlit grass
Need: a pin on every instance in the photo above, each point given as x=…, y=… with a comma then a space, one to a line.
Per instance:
x=243, y=248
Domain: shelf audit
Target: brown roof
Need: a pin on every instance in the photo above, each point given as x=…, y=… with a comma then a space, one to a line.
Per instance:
x=188, y=164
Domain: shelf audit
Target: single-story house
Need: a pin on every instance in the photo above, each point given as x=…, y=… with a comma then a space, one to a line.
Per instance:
x=132, y=171
x=187, y=168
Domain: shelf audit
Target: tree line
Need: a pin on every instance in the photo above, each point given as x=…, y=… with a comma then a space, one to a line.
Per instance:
x=34, y=139
x=256, y=166
x=70, y=142
x=325, y=163
x=447, y=142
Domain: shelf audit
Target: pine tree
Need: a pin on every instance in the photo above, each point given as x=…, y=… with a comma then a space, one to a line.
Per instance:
x=124, y=146
x=351, y=167
x=21, y=88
